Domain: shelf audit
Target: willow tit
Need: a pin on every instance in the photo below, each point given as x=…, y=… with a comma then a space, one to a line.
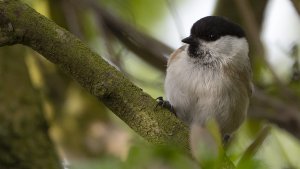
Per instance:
x=210, y=76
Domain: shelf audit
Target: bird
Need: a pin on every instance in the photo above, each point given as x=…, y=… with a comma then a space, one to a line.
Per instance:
x=210, y=76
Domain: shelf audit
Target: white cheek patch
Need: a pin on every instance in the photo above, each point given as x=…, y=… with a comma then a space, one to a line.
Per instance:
x=228, y=47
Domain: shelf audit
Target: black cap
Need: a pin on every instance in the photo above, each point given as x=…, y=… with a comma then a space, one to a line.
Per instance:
x=211, y=28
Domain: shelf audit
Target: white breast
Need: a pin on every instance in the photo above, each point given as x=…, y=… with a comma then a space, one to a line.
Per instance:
x=191, y=90
x=198, y=93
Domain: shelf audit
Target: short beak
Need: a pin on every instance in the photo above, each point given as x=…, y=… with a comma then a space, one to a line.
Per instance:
x=190, y=40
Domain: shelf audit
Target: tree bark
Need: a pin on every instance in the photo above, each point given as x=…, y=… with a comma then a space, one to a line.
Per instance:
x=24, y=140
x=21, y=24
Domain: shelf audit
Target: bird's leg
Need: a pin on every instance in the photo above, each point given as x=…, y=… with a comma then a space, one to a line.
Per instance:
x=226, y=138
x=165, y=104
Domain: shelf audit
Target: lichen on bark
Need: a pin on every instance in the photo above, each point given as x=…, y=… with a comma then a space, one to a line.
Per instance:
x=126, y=100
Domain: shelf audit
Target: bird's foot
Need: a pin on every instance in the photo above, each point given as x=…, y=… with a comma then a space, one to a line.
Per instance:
x=165, y=104
x=226, y=138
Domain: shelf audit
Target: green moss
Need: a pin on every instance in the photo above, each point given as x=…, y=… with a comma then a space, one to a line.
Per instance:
x=127, y=101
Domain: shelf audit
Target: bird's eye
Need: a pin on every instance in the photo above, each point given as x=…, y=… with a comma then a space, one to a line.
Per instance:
x=211, y=37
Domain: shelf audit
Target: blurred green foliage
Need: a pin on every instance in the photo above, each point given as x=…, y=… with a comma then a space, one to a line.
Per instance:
x=139, y=12
x=145, y=156
x=280, y=148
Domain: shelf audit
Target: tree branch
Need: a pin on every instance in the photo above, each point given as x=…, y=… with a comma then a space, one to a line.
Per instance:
x=135, y=40
x=127, y=101
x=7, y=35
x=274, y=110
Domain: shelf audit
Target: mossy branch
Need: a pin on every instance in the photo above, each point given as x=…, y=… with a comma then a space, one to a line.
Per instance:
x=21, y=24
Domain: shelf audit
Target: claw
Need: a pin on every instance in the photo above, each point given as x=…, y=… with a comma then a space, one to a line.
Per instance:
x=160, y=102
x=165, y=104
x=226, y=138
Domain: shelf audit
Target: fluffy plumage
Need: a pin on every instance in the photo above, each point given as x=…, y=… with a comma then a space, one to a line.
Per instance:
x=210, y=77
